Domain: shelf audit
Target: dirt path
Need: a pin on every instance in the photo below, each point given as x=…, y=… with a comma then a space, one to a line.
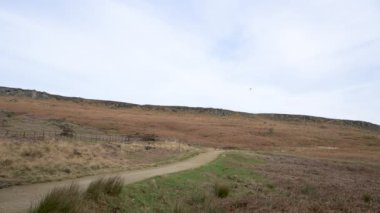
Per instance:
x=20, y=198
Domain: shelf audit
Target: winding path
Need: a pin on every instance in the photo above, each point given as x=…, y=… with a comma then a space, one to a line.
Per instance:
x=20, y=198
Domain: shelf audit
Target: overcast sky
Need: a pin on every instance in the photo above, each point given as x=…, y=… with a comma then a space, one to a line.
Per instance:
x=315, y=57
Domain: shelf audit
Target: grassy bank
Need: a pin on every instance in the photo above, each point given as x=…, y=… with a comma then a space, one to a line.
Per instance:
x=24, y=162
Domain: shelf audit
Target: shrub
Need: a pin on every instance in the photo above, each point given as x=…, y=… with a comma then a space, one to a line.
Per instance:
x=67, y=131
x=149, y=137
x=270, y=186
x=31, y=153
x=221, y=190
x=367, y=198
x=62, y=199
x=111, y=186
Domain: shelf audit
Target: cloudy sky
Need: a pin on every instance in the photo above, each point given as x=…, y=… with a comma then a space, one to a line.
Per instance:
x=316, y=57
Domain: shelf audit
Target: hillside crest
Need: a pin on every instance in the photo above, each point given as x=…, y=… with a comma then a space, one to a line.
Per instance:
x=8, y=91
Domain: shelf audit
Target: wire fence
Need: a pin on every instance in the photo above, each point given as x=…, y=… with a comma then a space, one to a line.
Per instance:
x=45, y=135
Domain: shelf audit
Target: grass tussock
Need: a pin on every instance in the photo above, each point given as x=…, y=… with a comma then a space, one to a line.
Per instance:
x=221, y=190
x=101, y=187
x=367, y=198
x=70, y=199
x=62, y=199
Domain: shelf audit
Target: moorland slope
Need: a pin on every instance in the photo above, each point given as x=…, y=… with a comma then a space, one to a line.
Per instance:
x=23, y=110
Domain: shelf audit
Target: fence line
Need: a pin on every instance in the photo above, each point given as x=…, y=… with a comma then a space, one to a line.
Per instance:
x=43, y=135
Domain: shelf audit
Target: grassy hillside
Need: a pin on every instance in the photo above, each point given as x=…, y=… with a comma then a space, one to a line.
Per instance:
x=298, y=164
x=305, y=135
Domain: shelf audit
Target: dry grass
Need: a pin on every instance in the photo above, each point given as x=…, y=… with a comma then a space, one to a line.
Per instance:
x=299, y=184
x=258, y=133
x=29, y=162
x=317, y=166
x=103, y=187
x=71, y=199
x=63, y=199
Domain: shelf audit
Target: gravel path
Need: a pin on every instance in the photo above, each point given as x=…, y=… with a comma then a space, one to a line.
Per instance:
x=20, y=198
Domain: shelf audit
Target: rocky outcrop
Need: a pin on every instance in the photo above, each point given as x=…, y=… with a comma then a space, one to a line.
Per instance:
x=306, y=118
x=24, y=93
x=6, y=91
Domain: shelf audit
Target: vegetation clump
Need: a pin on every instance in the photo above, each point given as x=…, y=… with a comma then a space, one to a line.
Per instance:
x=111, y=186
x=71, y=200
x=67, y=131
x=62, y=199
x=221, y=189
x=367, y=198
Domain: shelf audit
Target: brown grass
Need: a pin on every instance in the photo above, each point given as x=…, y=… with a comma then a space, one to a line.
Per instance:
x=299, y=184
x=257, y=133
x=29, y=162
x=311, y=166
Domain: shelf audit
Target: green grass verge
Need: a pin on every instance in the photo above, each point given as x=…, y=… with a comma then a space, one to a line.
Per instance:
x=194, y=190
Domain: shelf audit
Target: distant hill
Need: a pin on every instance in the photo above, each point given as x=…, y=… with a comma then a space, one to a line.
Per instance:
x=17, y=92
